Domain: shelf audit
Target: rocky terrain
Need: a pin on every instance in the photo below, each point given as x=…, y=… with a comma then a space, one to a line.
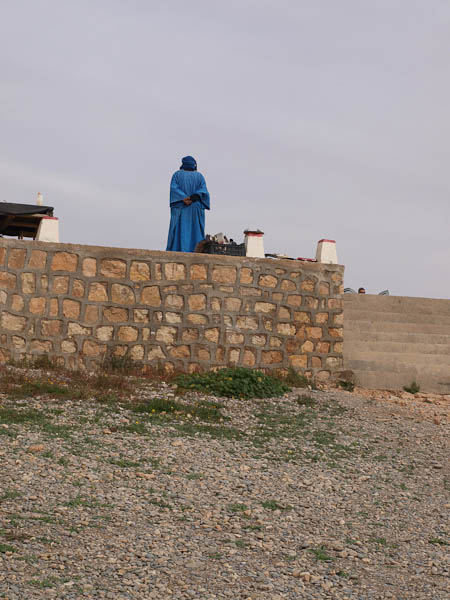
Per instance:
x=124, y=489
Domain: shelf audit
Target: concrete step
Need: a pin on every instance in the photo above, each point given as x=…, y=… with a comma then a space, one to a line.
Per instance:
x=394, y=380
x=354, y=314
x=396, y=304
x=357, y=347
x=373, y=337
x=386, y=360
x=366, y=326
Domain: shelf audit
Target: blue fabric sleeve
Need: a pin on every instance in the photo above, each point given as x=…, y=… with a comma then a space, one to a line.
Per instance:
x=176, y=193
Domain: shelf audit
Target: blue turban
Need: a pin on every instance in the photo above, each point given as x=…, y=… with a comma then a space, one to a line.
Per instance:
x=188, y=163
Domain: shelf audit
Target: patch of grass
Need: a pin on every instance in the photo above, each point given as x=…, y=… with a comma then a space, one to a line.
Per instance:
x=217, y=432
x=59, y=431
x=194, y=476
x=7, y=548
x=379, y=540
x=236, y=382
x=215, y=555
x=438, y=542
x=306, y=401
x=320, y=554
x=139, y=428
x=9, y=495
x=273, y=505
x=48, y=582
x=63, y=461
x=85, y=502
x=296, y=380
x=412, y=388
x=161, y=408
x=237, y=507
x=16, y=416
x=240, y=543
x=348, y=386
x=121, y=364
x=121, y=462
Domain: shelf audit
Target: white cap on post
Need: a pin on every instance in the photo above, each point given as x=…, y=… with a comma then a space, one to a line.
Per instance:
x=326, y=252
x=254, y=243
x=39, y=200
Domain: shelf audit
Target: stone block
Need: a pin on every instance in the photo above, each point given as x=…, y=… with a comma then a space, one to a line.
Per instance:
x=37, y=306
x=17, y=303
x=338, y=347
x=158, y=272
x=44, y=283
x=302, y=317
x=232, y=337
x=71, y=308
x=222, y=274
x=51, y=328
x=301, y=332
x=220, y=354
x=212, y=334
x=336, y=332
x=18, y=342
x=288, y=286
x=311, y=302
x=197, y=302
x=41, y=346
x=77, y=329
x=139, y=271
x=324, y=288
x=286, y=329
x=145, y=334
x=122, y=294
x=197, y=319
x=91, y=313
x=321, y=317
x=128, y=334
x=173, y=318
x=271, y=357
x=249, y=358
x=98, y=292
x=113, y=268
x=78, y=288
x=104, y=333
x=292, y=345
x=265, y=307
x=203, y=354
x=246, y=275
x=275, y=342
x=38, y=259
x=7, y=280
x=234, y=354
x=155, y=353
x=2, y=256
x=89, y=267
x=226, y=289
x=137, y=352
x=259, y=340
x=323, y=347
x=294, y=300
x=158, y=316
x=316, y=362
x=92, y=348
x=16, y=258
x=3, y=297
x=174, y=271
x=298, y=361
x=334, y=303
x=314, y=332
x=338, y=319
x=166, y=335
x=216, y=304
x=198, y=272
x=308, y=285
x=332, y=362
x=336, y=278
x=247, y=323
x=268, y=324
x=141, y=315
x=54, y=307
x=151, y=296
x=233, y=304
x=307, y=346
x=12, y=322
x=268, y=281
x=276, y=296
x=64, y=261
x=174, y=302
x=251, y=291
x=169, y=289
x=60, y=284
x=28, y=283
x=180, y=352
x=189, y=335
x=323, y=376
x=68, y=346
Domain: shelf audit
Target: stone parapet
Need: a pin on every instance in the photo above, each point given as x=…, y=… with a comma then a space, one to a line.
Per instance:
x=80, y=304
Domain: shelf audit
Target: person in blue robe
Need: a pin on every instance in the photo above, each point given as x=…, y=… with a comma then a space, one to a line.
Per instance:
x=189, y=197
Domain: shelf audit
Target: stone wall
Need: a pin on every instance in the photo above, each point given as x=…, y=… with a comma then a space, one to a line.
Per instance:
x=186, y=311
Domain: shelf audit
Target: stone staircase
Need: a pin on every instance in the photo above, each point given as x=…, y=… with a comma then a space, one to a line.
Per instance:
x=390, y=341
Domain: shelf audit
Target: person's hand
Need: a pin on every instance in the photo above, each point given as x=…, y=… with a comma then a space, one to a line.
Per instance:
x=187, y=201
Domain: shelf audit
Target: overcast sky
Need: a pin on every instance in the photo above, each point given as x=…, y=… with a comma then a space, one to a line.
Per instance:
x=308, y=118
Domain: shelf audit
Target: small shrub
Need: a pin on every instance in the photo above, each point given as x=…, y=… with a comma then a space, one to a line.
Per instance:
x=349, y=386
x=294, y=379
x=413, y=388
x=237, y=382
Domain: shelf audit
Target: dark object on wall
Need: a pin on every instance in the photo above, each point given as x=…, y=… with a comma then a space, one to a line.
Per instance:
x=230, y=249
x=20, y=220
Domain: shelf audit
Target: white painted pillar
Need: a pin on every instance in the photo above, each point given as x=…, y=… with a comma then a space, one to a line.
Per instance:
x=326, y=252
x=48, y=230
x=254, y=243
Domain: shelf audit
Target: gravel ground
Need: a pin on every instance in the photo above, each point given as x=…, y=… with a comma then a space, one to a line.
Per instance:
x=318, y=494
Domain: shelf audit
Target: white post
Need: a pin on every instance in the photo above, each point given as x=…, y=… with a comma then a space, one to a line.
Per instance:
x=254, y=243
x=39, y=200
x=326, y=252
x=48, y=230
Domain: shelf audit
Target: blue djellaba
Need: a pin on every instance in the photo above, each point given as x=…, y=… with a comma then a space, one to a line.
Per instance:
x=187, y=219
